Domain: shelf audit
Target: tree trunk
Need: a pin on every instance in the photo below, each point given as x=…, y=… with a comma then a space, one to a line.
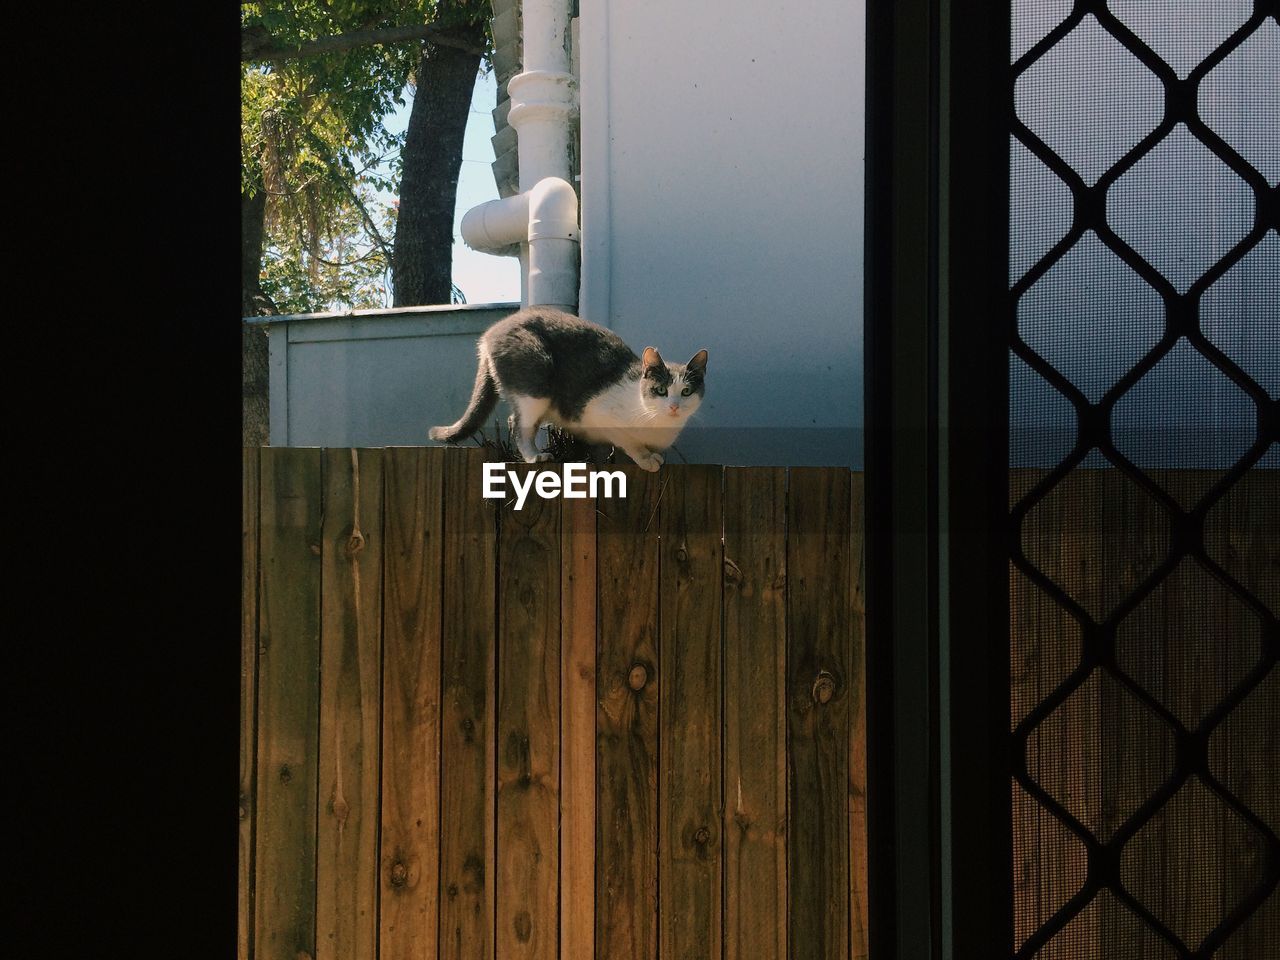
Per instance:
x=422, y=269
x=253, y=339
x=253, y=211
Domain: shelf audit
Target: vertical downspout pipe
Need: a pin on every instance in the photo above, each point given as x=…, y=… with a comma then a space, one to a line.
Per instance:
x=544, y=215
x=546, y=218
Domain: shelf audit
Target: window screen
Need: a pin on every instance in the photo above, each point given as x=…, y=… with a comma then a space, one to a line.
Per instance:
x=1144, y=332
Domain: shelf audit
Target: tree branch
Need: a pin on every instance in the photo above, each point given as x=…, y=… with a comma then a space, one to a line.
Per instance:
x=371, y=227
x=258, y=46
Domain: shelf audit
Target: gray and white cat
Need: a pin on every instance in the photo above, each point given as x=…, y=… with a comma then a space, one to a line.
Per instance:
x=553, y=367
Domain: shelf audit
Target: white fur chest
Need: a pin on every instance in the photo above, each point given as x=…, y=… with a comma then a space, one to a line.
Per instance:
x=616, y=416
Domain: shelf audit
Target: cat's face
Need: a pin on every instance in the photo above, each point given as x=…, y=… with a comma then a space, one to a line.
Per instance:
x=671, y=392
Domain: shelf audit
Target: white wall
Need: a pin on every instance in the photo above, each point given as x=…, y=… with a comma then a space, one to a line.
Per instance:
x=722, y=180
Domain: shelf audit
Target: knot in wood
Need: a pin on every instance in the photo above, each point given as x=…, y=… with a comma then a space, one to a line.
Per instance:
x=399, y=874
x=355, y=543
x=523, y=926
x=340, y=808
x=315, y=548
x=702, y=836
x=244, y=809
x=731, y=571
x=824, y=687
x=638, y=677
x=682, y=554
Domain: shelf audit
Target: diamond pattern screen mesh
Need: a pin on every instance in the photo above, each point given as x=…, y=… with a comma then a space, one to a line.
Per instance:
x=1144, y=332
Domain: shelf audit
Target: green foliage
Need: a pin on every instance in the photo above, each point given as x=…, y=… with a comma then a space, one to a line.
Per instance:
x=312, y=137
x=345, y=269
x=303, y=117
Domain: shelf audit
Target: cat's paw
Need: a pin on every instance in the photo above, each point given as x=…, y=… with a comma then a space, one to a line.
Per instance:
x=650, y=462
x=544, y=458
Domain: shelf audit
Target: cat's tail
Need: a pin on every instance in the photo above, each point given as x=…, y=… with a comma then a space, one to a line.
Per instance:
x=484, y=395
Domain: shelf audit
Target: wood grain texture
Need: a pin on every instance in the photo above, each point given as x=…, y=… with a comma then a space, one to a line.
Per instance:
x=288, y=704
x=1049, y=862
x=467, y=728
x=1045, y=647
x=1135, y=749
x=528, y=727
x=819, y=661
x=1242, y=534
x=577, y=728
x=859, y=916
x=409, y=865
x=458, y=747
x=627, y=722
x=691, y=566
x=1244, y=755
x=350, y=706
x=248, y=697
x=755, y=722
x=1102, y=752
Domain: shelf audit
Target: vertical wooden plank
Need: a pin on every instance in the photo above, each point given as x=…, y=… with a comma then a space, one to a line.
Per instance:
x=1134, y=753
x=1242, y=533
x=755, y=732
x=578, y=729
x=627, y=721
x=350, y=706
x=1044, y=647
x=467, y=714
x=249, y=494
x=819, y=660
x=288, y=704
x=859, y=940
x=528, y=727
x=691, y=568
x=409, y=877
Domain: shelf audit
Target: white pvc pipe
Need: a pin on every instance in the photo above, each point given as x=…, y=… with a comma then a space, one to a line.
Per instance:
x=553, y=244
x=543, y=103
x=545, y=35
x=546, y=218
x=544, y=214
x=494, y=226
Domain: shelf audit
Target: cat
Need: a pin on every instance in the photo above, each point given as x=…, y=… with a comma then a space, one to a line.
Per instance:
x=554, y=367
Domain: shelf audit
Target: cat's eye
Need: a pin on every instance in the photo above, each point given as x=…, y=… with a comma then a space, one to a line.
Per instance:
x=686, y=391
x=660, y=391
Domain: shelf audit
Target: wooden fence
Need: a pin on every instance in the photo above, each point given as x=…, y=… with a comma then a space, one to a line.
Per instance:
x=1102, y=753
x=620, y=729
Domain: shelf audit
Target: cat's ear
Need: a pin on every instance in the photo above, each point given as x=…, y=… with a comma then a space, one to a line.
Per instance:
x=699, y=361
x=651, y=359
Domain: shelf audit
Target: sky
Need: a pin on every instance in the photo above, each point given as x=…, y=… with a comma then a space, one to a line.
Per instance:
x=483, y=278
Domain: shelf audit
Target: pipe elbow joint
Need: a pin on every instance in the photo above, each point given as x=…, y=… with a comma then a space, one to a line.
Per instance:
x=553, y=210
x=553, y=244
x=545, y=217
x=549, y=211
x=498, y=226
